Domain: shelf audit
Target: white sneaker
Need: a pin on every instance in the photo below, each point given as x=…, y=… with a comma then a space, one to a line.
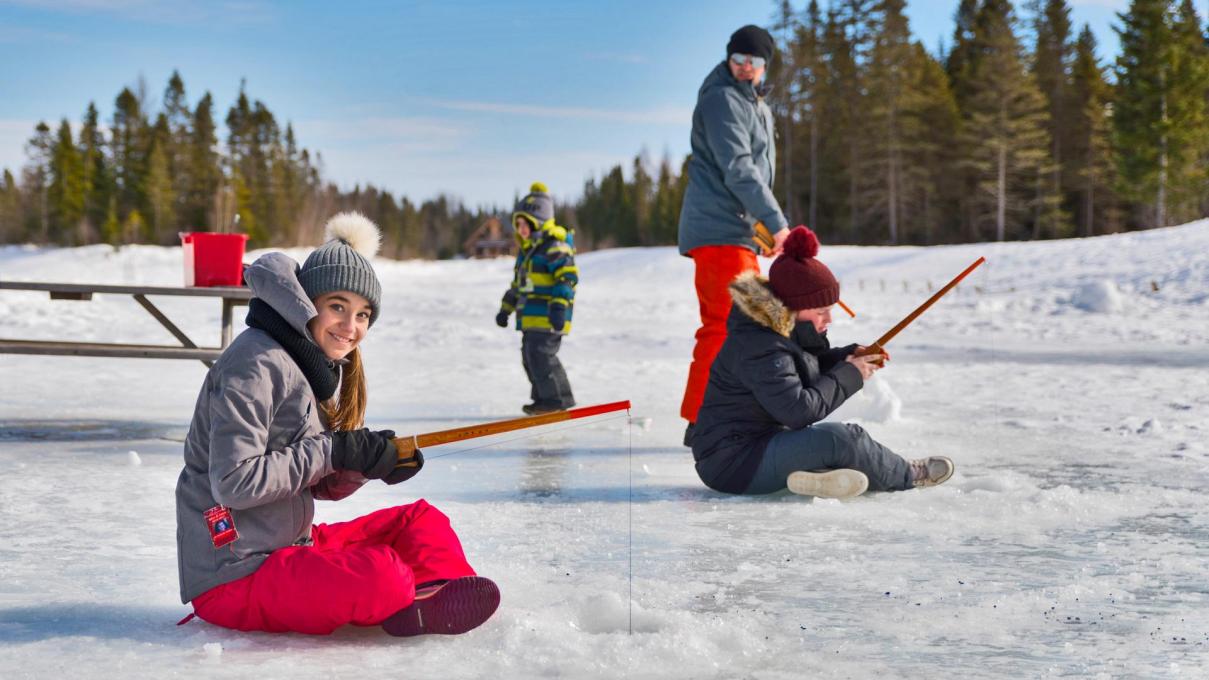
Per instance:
x=931, y=471
x=841, y=483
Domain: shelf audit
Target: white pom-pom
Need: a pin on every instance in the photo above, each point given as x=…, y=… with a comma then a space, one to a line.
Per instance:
x=356, y=230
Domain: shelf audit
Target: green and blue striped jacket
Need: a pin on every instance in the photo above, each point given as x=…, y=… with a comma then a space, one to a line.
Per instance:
x=545, y=274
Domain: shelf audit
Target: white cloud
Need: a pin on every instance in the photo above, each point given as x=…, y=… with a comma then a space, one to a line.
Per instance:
x=669, y=115
x=390, y=130
x=476, y=178
x=26, y=35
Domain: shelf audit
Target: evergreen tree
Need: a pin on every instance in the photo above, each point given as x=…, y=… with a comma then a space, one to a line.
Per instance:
x=640, y=194
x=889, y=79
x=65, y=195
x=10, y=208
x=1051, y=68
x=175, y=146
x=857, y=39
x=160, y=192
x=839, y=102
x=241, y=161
x=128, y=148
x=783, y=100
x=1190, y=129
x=1090, y=159
x=1006, y=146
x=36, y=180
x=930, y=124
x=665, y=210
x=97, y=185
x=204, y=174
x=810, y=73
x=1159, y=111
x=960, y=60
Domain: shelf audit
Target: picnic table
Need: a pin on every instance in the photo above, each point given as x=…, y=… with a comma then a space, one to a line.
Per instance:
x=231, y=296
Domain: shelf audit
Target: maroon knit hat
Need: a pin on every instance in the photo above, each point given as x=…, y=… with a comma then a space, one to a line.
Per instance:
x=798, y=279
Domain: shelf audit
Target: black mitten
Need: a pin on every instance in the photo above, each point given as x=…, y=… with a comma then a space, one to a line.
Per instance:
x=501, y=319
x=373, y=454
x=557, y=315
x=405, y=468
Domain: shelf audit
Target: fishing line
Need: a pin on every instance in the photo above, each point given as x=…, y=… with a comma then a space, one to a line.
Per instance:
x=997, y=395
x=524, y=436
x=629, y=493
x=630, y=512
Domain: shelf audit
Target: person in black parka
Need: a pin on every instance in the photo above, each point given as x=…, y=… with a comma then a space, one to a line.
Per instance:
x=777, y=377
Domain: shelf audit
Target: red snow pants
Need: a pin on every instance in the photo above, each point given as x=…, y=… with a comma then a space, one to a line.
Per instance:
x=716, y=267
x=357, y=572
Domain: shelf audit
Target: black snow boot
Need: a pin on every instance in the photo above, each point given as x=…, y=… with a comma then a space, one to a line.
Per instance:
x=446, y=608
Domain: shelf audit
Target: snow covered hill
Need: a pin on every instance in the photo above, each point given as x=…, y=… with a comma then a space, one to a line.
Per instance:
x=1067, y=379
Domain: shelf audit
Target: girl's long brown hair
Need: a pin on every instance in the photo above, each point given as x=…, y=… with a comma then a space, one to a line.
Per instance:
x=347, y=410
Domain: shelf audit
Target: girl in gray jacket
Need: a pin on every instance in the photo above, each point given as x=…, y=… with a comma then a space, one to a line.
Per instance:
x=270, y=434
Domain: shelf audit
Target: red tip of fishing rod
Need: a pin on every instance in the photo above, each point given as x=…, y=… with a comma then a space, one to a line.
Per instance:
x=585, y=411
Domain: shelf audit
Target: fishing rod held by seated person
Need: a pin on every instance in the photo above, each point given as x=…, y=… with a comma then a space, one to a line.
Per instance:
x=879, y=346
x=407, y=444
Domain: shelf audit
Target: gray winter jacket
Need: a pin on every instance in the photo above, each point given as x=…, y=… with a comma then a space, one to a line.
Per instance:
x=731, y=170
x=256, y=445
x=766, y=379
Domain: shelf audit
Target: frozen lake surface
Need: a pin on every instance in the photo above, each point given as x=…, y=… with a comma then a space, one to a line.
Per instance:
x=1067, y=380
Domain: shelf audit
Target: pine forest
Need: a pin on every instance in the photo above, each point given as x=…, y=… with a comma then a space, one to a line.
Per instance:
x=1012, y=129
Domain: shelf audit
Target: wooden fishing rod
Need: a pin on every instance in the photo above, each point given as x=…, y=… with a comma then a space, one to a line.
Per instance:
x=407, y=444
x=879, y=346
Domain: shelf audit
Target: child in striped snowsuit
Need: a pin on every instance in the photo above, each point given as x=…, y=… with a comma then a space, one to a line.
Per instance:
x=543, y=296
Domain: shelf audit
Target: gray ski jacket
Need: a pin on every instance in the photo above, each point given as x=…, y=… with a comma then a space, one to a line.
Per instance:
x=731, y=170
x=257, y=445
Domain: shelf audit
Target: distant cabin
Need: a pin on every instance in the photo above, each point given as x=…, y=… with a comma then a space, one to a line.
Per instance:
x=490, y=239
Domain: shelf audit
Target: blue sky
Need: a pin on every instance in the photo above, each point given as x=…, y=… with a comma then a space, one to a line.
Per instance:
x=475, y=99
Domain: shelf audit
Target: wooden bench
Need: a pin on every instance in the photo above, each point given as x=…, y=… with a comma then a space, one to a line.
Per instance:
x=231, y=296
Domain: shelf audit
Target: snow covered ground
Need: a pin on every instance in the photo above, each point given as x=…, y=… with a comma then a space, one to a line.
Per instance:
x=1067, y=380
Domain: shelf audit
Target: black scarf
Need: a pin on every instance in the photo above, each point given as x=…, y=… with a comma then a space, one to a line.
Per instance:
x=320, y=372
x=809, y=339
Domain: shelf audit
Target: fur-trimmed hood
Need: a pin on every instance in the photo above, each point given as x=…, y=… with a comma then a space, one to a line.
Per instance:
x=753, y=296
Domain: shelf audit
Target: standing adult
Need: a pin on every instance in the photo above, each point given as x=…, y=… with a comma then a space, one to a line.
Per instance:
x=730, y=178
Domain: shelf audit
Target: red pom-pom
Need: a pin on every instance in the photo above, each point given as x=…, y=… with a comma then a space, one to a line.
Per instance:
x=802, y=243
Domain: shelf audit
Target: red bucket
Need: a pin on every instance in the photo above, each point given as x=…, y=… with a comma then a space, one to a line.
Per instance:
x=213, y=259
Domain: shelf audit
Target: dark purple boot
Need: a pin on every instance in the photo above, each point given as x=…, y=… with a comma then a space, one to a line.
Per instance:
x=448, y=608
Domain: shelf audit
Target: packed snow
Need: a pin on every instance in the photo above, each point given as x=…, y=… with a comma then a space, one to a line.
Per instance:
x=1067, y=380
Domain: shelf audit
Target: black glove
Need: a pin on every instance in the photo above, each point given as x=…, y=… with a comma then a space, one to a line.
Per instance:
x=373, y=454
x=405, y=468
x=558, y=316
x=501, y=319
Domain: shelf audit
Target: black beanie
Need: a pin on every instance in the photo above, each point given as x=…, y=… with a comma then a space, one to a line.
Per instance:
x=751, y=40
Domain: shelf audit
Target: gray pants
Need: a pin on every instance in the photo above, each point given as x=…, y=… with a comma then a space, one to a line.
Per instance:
x=828, y=446
x=539, y=353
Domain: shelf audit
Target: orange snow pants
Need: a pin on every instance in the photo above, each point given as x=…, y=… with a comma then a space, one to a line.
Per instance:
x=716, y=267
x=357, y=572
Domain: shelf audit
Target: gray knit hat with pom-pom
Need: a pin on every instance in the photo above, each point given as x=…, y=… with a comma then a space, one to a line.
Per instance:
x=342, y=263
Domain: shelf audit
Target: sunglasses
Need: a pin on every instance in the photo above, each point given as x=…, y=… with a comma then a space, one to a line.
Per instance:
x=741, y=59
